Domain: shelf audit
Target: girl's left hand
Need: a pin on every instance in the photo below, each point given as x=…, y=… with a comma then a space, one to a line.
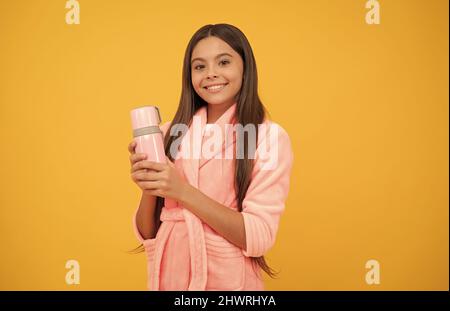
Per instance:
x=161, y=179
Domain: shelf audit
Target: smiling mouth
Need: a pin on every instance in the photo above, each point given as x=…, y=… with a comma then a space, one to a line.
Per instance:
x=215, y=88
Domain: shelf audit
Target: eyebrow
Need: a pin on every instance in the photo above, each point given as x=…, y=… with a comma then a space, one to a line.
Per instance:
x=219, y=55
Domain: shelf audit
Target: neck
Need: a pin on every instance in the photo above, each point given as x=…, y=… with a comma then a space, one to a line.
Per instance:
x=214, y=112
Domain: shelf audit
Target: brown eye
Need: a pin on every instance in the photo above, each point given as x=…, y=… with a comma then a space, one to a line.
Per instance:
x=225, y=62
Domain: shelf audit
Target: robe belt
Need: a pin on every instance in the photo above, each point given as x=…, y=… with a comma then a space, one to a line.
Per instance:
x=197, y=248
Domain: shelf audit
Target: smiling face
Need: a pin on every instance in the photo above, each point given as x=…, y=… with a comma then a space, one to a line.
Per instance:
x=216, y=71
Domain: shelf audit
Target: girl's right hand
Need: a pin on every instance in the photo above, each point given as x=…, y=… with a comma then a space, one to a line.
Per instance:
x=135, y=158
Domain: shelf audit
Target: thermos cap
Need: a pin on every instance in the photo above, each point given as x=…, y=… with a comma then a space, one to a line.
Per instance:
x=145, y=116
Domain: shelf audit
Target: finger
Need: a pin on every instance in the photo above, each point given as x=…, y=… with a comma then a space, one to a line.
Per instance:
x=142, y=175
x=137, y=157
x=135, y=169
x=149, y=185
x=142, y=165
x=135, y=176
x=149, y=165
x=140, y=171
x=169, y=162
x=132, y=146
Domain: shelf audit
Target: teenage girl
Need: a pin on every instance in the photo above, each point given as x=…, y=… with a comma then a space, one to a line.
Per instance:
x=205, y=222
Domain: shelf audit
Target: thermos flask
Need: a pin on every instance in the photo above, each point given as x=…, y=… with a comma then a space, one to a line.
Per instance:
x=147, y=134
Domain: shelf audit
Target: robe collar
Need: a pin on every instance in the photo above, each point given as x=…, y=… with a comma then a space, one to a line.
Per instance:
x=194, y=137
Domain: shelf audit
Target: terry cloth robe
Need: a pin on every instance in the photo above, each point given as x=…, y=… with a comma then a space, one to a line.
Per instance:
x=186, y=253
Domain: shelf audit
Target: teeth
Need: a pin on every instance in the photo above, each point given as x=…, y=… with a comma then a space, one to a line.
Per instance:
x=215, y=87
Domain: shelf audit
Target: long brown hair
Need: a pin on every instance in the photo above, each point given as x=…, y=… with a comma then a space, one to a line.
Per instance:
x=249, y=110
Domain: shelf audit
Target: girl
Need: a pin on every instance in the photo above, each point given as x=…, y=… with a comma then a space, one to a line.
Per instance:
x=205, y=222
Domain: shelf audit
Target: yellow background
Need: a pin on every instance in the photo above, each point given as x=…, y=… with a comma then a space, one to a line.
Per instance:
x=366, y=107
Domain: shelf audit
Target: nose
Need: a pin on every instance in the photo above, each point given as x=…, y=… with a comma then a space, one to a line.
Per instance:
x=211, y=74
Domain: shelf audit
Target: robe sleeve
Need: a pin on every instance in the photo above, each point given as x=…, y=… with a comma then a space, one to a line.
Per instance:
x=265, y=198
x=147, y=243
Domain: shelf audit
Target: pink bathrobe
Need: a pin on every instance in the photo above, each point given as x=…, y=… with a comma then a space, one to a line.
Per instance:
x=186, y=253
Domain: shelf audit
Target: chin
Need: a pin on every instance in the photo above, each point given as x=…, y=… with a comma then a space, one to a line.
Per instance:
x=216, y=101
